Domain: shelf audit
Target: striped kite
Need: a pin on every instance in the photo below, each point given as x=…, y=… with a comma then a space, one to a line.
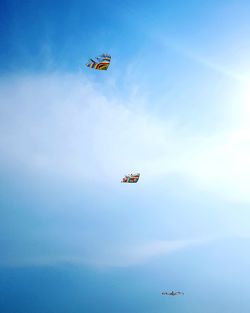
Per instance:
x=100, y=63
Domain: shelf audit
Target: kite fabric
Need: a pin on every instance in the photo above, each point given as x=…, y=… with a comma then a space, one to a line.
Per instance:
x=172, y=293
x=100, y=63
x=131, y=178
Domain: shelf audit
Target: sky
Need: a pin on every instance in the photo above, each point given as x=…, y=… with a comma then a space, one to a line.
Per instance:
x=174, y=105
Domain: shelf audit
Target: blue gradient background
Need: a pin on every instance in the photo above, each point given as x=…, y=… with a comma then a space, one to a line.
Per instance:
x=74, y=244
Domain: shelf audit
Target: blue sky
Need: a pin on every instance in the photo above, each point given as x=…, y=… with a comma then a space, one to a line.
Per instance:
x=174, y=105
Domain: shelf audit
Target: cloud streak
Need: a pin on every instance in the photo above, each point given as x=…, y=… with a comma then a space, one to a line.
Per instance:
x=103, y=256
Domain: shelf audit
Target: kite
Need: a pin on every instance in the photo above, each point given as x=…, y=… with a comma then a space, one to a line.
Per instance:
x=100, y=63
x=172, y=293
x=131, y=178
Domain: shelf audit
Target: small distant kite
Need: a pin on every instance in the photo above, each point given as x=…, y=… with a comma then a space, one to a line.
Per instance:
x=131, y=178
x=100, y=63
x=172, y=293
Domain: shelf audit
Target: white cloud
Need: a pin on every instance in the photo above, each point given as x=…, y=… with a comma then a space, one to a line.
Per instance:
x=64, y=125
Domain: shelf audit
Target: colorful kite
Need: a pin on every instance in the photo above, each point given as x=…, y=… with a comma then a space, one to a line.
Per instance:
x=100, y=63
x=131, y=178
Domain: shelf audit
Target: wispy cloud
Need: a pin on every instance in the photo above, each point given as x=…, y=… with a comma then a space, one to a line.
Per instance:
x=64, y=125
x=202, y=60
x=103, y=254
x=141, y=253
